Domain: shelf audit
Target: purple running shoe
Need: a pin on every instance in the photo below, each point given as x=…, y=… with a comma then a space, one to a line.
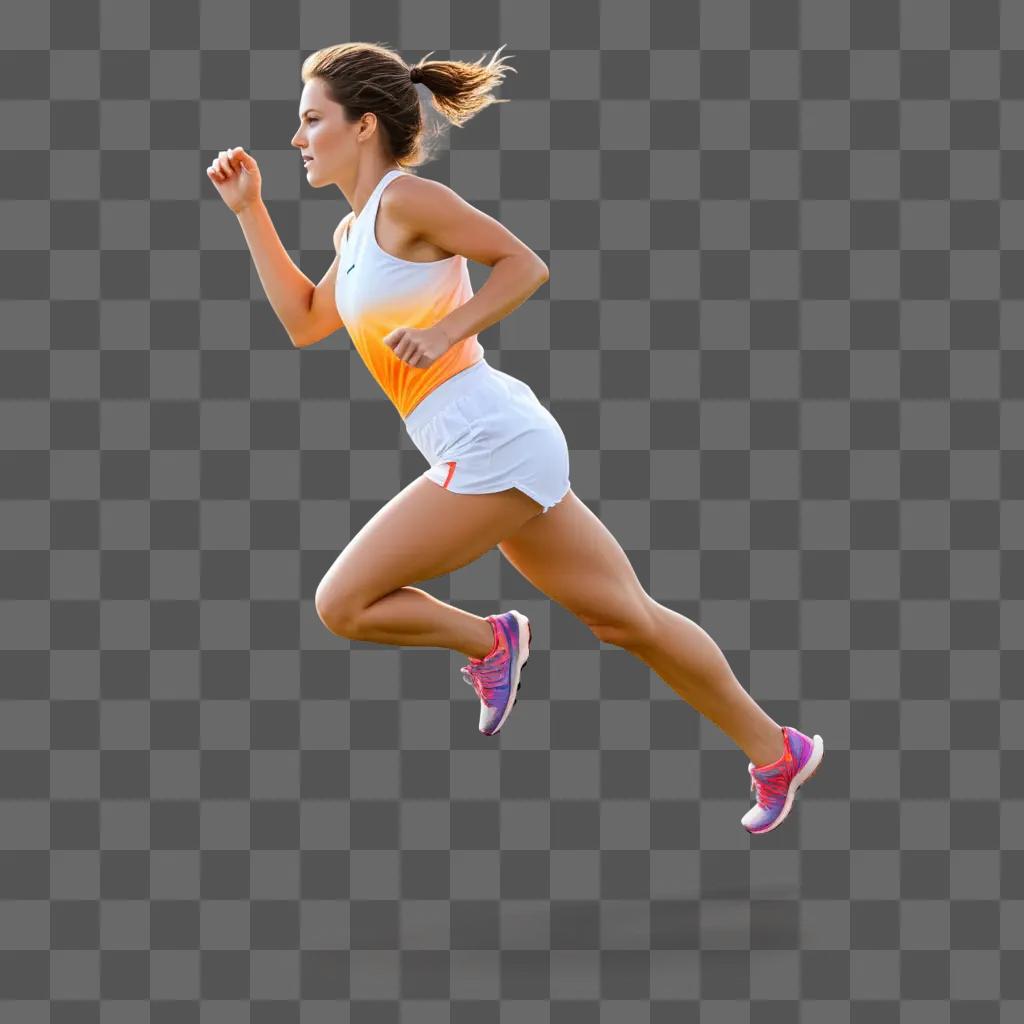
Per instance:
x=496, y=676
x=776, y=783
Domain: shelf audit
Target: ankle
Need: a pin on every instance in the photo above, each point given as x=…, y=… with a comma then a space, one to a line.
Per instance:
x=491, y=641
x=762, y=757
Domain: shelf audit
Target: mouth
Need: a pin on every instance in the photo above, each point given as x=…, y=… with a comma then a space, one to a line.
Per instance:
x=307, y=160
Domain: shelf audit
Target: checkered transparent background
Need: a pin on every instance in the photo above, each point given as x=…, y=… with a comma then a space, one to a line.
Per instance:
x=783, y=335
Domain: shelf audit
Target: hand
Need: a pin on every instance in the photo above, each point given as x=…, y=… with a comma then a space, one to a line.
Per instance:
x=236, y=177
x=419, y=347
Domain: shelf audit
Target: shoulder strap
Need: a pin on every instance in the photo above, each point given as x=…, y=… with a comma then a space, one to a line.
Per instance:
x=374, y=201
x=370, y=209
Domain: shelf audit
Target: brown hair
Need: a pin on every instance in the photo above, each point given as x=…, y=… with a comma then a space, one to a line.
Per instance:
x=369, y=77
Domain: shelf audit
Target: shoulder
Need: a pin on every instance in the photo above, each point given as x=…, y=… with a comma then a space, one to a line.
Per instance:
x=434, y=212
x=414, y=200
x=339, y=229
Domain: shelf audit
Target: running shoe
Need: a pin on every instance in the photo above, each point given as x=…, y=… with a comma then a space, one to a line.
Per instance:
x=776, y=784
x=496, y=677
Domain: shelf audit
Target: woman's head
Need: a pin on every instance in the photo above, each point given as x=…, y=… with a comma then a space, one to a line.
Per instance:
x=359, y=94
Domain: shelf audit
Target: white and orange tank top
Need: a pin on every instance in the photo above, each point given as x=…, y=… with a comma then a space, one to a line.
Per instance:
x=377, y=292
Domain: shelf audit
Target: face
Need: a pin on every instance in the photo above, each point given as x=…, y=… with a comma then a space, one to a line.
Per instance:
x=325, y=135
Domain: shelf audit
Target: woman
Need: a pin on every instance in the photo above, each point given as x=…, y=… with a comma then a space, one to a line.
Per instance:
x=499, y=464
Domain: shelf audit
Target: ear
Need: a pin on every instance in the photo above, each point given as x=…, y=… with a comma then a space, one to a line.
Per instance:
x=369, y=122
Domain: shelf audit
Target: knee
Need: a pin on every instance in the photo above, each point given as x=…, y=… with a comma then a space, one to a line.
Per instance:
x=631, y=627
x=339, y=614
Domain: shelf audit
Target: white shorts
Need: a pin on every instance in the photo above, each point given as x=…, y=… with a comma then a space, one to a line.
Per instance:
x=483, y=431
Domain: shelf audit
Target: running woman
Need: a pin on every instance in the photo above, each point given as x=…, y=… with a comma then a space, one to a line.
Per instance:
x=498, y=463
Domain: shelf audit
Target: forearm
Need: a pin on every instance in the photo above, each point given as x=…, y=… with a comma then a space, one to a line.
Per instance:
x=511, y=282
x=287, y=287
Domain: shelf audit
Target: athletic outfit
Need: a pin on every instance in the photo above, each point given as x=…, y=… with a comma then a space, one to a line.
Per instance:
x=480, y=430
x=483, y=431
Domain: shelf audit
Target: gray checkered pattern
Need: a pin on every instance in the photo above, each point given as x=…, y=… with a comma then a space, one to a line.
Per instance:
x=783, y=334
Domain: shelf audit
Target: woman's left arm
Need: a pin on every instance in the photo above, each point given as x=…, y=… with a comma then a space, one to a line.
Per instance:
x=441, y=216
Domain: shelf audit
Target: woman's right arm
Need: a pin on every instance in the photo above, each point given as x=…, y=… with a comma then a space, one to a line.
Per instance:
x=307, y=312
x=289, y=290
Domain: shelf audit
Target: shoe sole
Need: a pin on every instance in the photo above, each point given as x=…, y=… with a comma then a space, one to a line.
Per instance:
x=797, y=781
x=517, y=669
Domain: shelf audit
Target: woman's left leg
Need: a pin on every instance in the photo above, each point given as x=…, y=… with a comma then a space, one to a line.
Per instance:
x=423, y=532
x=570, y=555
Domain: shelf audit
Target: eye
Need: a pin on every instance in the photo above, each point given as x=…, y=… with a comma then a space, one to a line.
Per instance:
x=312, y=120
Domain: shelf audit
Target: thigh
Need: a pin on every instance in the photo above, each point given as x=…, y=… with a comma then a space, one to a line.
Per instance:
x=423, y=532
x=571, y=556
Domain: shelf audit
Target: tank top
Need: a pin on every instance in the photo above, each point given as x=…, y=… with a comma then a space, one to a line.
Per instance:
x=376, y=292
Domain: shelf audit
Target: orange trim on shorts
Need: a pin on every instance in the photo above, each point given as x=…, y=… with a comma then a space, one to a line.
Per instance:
x=451, y=471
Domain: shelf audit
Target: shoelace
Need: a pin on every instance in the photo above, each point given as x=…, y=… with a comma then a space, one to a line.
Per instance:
x=776, y=785
x=488, y=676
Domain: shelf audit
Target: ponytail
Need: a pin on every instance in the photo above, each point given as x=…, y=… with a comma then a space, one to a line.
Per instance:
x=460, y=89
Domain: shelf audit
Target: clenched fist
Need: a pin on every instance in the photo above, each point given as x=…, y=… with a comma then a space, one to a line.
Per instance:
x=236, y=177
x=419, y=347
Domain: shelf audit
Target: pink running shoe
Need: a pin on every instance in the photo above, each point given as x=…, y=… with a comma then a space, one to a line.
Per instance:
x=776, y=783
x=496, y=676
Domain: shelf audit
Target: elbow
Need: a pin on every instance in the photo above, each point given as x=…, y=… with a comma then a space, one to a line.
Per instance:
x=535, y=267
x=299, y=326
